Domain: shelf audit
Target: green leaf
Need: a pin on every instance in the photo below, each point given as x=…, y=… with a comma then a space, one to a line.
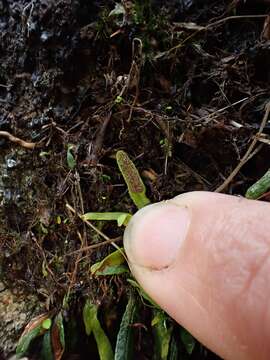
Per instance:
x=159, y=316
x=47, y=353
x=121, y=217
x=46, y=324
x=133, y=180
x=58, y=322
x=44, y=269
x=110, y=265
x=142, y=293
x=124, y=343
x=89, y=311
x=31, y=331
x=188, y=341
x=92, y=325
x=70, y=158
x=260, y=187
x=162, y=334
x=173, y=350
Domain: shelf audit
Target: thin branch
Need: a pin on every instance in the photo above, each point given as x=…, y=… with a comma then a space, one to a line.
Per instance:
x=246, y=157
x=93, y=227
x=208, y=27
x=94, y=246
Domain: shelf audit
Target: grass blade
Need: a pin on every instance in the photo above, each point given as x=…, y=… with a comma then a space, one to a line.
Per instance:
x=162, y=334
x=92, y=325
x=173, y=350
x=188, y=341
x=124, y=344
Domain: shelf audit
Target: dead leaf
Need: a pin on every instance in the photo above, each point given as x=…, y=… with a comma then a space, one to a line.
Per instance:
x=266, y=29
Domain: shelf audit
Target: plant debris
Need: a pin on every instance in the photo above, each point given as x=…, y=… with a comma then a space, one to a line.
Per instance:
x=179, y=87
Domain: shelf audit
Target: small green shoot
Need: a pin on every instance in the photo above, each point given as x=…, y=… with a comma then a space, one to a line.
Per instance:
x=105, y=177
x=113, y=264
x=133, y=180
x=119, y=100
x=121, y=217
x=70, y=158
x=260, y=187
x=46, y=324
x=124, y=344
x=173, y=349
x=168, y=109
x=162, y=334
x=92, y=325
x=44, y=269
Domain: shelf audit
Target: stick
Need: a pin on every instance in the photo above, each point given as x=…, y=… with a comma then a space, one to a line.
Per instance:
x=94, y=246
x=208, y=27
x=246, y=157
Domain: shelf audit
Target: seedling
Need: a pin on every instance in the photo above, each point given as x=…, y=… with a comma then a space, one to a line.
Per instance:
x=93, y=326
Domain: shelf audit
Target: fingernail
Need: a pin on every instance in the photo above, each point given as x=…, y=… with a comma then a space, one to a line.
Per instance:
x=155, y=234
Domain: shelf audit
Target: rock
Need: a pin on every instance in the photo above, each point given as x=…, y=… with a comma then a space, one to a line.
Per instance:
x=16, y=310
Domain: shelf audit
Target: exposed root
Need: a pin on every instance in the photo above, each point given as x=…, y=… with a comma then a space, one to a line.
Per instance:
x=12, y=138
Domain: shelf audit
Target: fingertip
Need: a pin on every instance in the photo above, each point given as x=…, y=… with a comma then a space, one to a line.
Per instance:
x=154, y=235
x=203, y=258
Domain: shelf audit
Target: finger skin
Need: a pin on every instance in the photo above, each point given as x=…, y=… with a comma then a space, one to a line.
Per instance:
x=219, y=285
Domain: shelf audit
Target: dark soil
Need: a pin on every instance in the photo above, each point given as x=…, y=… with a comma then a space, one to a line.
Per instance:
x=186, y=117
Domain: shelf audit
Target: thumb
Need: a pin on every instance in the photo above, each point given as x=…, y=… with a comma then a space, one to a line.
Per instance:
x=204, y=258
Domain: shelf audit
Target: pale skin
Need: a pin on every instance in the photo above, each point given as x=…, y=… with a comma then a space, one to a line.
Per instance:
x=204, y=258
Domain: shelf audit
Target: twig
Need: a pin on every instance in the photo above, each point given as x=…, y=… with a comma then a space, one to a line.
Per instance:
x=246, y=157
x=46, y=262
x=136, y=68
x=219, y=111
x=97, y=148
x=94, y=246
x=209, y=26
x=93, y=227
x=10, y=137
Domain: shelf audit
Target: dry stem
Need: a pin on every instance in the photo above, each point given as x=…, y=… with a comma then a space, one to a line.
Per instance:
x=246, y=157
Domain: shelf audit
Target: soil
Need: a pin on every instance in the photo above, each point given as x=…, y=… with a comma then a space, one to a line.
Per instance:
x=184, y=101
